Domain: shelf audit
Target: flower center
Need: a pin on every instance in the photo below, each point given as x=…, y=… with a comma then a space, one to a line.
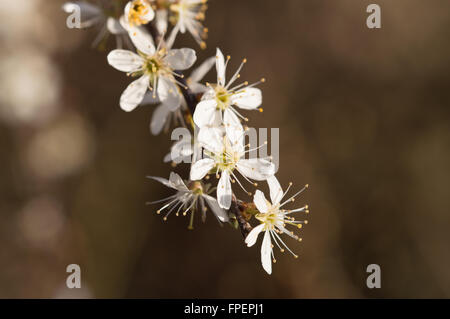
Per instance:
x=139, y=9
x=271, y=218
x=226, y=161
x=152, y=65
x=222, y=98
x=196, y=188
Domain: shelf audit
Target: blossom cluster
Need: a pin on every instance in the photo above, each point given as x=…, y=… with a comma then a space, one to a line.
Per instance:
x=214, y=112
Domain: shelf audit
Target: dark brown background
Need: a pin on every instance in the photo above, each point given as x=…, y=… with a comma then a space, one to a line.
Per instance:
x=363, y=117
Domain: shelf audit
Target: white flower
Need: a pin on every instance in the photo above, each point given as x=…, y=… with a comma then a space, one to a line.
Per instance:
x=137, y=13
x=155, y=68
x=218, y=102
x=225, y=154
x=92, y=15
x=168, y=109
x=273, y=222
x=187, y=199
x=188, y=14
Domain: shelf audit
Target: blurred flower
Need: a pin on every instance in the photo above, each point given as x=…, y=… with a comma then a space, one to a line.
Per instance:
x=92, y=15
x=80, y=293
x=42, y=221
x=188, y=14
x=60, y=149
x=187, y=198
x=273, y=221
x=29, y=87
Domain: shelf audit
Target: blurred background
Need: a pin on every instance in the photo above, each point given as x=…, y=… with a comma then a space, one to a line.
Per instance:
x=364, y=119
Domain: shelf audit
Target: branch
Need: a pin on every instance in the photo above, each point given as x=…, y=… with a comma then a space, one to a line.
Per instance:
x=236, y=209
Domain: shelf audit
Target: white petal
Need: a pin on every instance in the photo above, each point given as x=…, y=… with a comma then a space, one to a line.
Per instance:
x=251, y=238
x=198, y=74
x=266, y=253
x=220, y=67
x=162, y=181
x=197, y=88
x=214, y=205
x=150, y=98
x=161, y=21
x=205, y=113
x=178, y=182
x=211, y=138
x=230, y=119
x=134, y=94
x=234, y=129
x=125, y=61
x=249, y=99
x=276, y=192
x=181, y=59
x=260, y=201
x=150, y=15
x=224, y=190
x=159, y=119
x=168, y=93
x=114, y=26
x=255, y=168
x=142, y=40
x=200, y=168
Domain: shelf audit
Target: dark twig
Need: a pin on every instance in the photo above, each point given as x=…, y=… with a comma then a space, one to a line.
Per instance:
x=235, y=209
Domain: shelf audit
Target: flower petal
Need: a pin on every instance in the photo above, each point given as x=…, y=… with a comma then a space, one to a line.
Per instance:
x=197, y=88
x=249, y=98
x=214, y=205
x=224, y=190
x=256, y=168
x=251, y=238
x=266, y=253
x=178, y=182
x=211, y=138
x=114, y=26
x=260, y=201
x=200, y=168
x=276, y=192
x=198, y=74
x=205, y=113
x=142, y=40
x=163, y=181
x=159, y=119
x=150, y=98
x=161, y=21
x=220, y=67
x=134, y=94
x=168, y=93
x=125, y=61
x=181, y=59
